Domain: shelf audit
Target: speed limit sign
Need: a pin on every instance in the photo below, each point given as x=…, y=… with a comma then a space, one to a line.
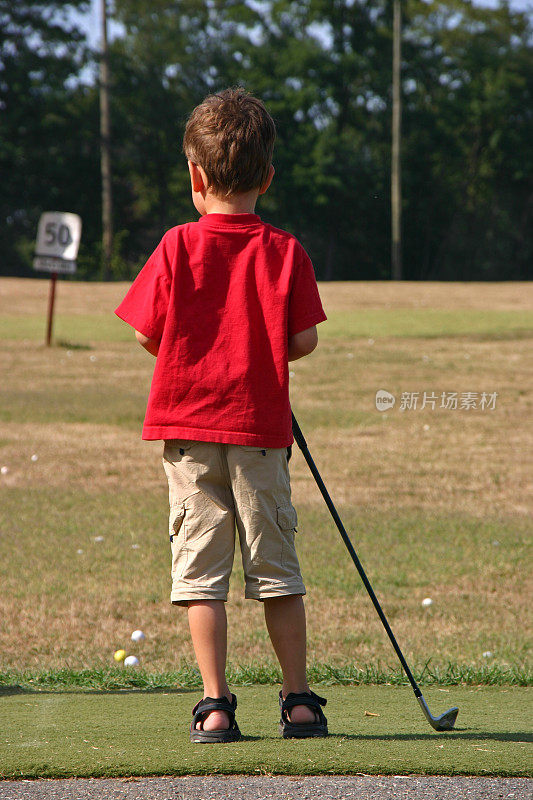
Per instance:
x=58, y=240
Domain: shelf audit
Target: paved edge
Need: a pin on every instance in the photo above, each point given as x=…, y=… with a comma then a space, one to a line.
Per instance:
x=271, y=787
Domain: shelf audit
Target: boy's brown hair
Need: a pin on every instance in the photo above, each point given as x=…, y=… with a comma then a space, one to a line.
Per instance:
x=231, y=136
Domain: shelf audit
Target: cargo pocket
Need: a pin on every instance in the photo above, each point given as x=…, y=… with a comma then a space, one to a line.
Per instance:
x=175, y=521
x=287, y=521
x=287, y=518
x=176, y=531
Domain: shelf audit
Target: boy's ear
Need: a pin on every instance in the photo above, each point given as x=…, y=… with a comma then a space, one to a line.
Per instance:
x=268, y=181
x=198, y=177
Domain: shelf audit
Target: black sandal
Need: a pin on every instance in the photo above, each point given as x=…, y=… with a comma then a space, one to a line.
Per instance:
x=302, y=730
x=203, y=708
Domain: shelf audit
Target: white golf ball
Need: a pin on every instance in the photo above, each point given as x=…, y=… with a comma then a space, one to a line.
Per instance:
x=427, y=602
x=137, y=636
x=4, y=470
x=487, y=654
x=35, y=457
x=131, y=661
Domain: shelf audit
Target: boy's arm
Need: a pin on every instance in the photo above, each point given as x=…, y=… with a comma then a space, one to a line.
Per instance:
x=151, y=345
x=303, y=343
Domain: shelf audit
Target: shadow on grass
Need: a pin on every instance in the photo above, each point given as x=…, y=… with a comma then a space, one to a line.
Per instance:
x=516, y=736
x=73, y=345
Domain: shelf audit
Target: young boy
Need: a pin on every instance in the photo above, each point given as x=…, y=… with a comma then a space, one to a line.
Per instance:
x=225, y=303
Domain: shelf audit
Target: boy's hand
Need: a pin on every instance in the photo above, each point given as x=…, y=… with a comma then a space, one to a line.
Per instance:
x=151, y=345
x=303, y=343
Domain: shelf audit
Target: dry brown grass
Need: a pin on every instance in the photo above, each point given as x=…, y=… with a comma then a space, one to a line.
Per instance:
x=82, y=418
x=464, y=460
x=30, y=296
x=350, y=295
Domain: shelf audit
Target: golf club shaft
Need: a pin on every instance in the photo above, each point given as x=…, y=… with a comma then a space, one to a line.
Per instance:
x=302, y=444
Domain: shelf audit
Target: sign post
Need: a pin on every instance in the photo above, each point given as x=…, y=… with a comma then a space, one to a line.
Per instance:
x=56, y=249
x=51, y=301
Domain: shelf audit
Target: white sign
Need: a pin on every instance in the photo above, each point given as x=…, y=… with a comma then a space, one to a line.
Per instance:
x=58, y=240
x=50, y=264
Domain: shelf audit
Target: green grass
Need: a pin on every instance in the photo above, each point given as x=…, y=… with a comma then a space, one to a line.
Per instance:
x=74, y=328
x=94, y=404
x=376, y=323
x=427, y=323
x=107, y=678
x=146, y=733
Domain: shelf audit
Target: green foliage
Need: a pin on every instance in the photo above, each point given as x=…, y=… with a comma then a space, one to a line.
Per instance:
x=47, y=143
x=467, y=150
x=324, y=69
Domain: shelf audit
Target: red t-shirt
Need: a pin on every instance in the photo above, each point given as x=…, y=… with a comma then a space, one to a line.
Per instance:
x=223, y=295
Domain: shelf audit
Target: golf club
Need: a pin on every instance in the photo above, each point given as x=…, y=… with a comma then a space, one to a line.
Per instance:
x=444, y=722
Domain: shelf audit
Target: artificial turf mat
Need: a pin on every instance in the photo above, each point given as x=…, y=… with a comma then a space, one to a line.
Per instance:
x=61, y=734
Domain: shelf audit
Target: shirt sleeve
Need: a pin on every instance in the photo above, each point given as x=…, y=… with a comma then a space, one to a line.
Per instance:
x=145, y=305
x=305, y=306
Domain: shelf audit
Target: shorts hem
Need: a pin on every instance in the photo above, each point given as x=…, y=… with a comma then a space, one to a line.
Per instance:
x=275, y=591
x=183, y=598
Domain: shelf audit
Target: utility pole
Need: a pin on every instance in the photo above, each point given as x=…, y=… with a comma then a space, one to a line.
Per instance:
x=105, y=148
x=396, y=191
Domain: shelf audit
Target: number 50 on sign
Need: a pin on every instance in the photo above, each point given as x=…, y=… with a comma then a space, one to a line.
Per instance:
x=58, y=240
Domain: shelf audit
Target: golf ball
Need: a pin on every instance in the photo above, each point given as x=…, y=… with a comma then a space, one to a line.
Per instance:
x=35, y=457
x=427, y=601
x=137, y=636
x=4, y=470
x=131, y=661
x=119, y=655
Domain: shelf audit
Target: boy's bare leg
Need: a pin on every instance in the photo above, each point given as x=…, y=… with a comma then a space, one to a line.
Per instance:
x=208, y=626
x=285, y=620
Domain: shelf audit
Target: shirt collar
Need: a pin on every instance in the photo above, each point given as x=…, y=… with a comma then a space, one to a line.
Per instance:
x=229, y=220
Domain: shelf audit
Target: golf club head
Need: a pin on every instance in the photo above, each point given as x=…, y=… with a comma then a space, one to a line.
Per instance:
x=445, y=722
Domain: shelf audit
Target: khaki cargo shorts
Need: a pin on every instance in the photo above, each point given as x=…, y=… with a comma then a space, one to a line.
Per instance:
x=214, y=488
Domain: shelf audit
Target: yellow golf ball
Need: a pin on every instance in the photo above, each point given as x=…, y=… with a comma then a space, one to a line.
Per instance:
x=120, y=655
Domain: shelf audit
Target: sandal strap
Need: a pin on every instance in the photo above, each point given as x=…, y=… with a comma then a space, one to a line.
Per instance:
x=209, y=704
x=302, y=699
x=311, y=700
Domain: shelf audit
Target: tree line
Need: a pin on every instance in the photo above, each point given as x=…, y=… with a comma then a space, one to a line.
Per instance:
x=324, y=69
